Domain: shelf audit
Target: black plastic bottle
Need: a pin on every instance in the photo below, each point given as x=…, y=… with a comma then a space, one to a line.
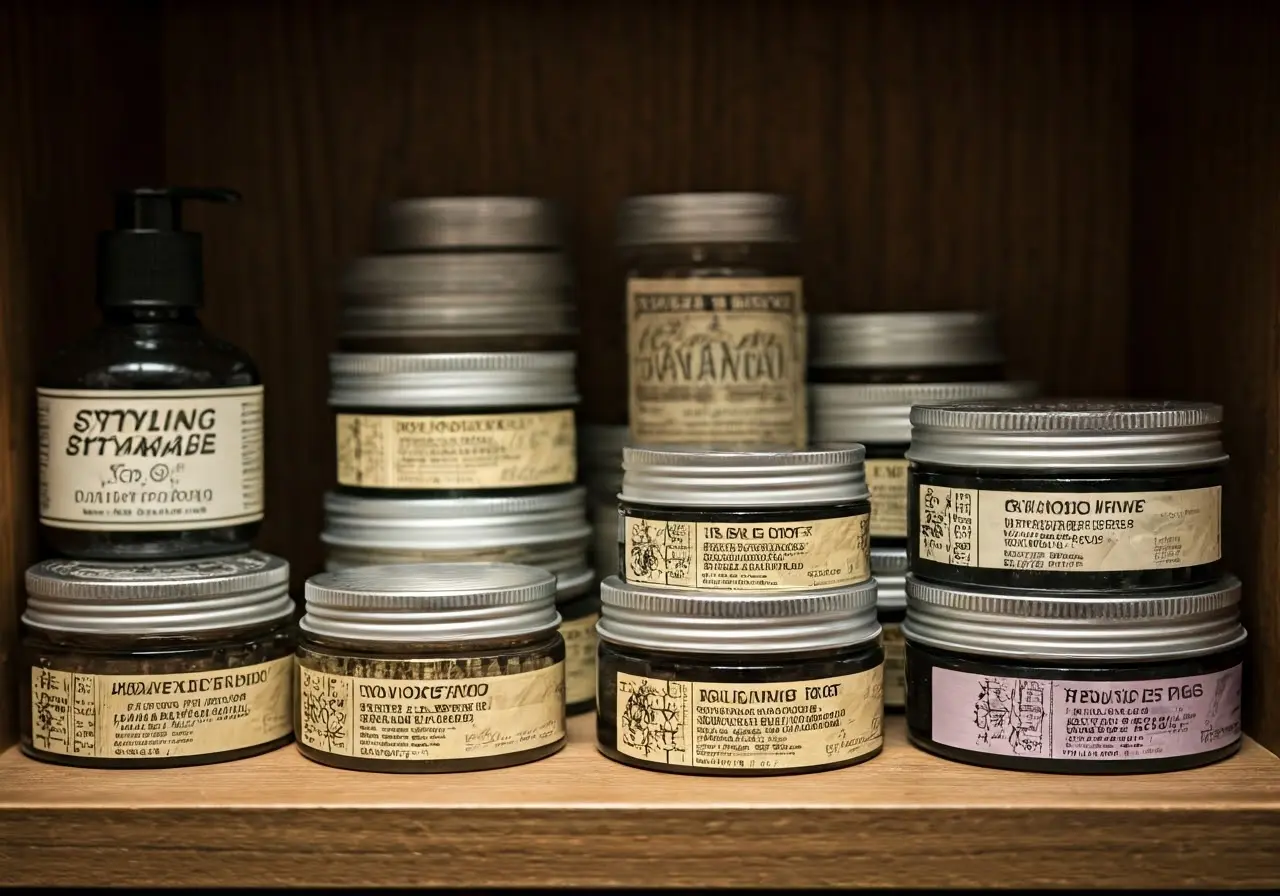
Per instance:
x=150, y=429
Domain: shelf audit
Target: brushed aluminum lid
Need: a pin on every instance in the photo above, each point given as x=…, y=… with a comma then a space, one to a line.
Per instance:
x=466, y=380
x=458, y=316
x=905, y=339
x=443, y=222
x=889, y=568
x=473, y=275
x=707, y=218
x=877, y=414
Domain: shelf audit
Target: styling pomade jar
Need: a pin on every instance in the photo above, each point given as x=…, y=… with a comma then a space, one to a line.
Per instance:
x=889, y=568
x=1069, y=494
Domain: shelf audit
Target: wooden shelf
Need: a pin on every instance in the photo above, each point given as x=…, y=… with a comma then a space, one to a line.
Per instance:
x=905, y=819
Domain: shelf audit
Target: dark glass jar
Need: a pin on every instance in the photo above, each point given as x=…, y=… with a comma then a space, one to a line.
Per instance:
x=1098, y=684
x=1067, y=495
x=905, y=347
x=160, y=666
x=715, y=684
x=430, y=668
x=579, y=606
x=889, y=568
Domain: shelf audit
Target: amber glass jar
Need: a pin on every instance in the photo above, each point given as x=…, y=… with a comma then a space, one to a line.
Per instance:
x=905, y=347
x=579, y=606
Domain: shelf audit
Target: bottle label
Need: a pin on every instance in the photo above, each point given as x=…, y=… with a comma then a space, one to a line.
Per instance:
x=1070, y=532
x=161, y=716
x=433, y=717
x=748, y=557
x=113, y=461
x=717, y=361
x=887, y=480
x=775, y=725
x=579, y=658
x=463, y=451
x=895, y=666
x=1046, y=718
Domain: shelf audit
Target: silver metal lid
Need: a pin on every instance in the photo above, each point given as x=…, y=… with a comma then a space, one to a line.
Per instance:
x=889, y=567
x=472, y=380
x=1074, y=625
x=701, y=622
x=431, y=602
x=707, y=218
x=1076, y=434
x=905, y=339
x=440, y=222
x=457, y=275
x=703, y=478
x=458, y=316
x=177, y=597
x=571, y=586
x=878, y=414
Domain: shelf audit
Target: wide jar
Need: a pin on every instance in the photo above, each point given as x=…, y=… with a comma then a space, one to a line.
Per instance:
x=600, y=462
x=437, y=667
x=157, y=665
x=905, y=347
x=722, y=684
x=1075, y=683
x=454, y=425
x=716, y=338
x=889, y=569
x=579, y=606
x=1072, y=494
x=744, y=522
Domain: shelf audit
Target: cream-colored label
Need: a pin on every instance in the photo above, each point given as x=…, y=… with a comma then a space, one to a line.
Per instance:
x=579, y=658
x=1070, y=532
x=895, y=666
x=428, y=719
x=744, y=557
x=783, y=725
x=464, y=451
x=887, y=480
x=717, y=361
x=161, y=459
x=160, y=716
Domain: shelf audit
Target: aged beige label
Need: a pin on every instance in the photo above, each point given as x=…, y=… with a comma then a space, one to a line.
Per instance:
x=516, y=450
x=887, y=480
x=895, y=666
x=1071, y=532
x=748, y=557
x=579, y=658
x=794, y=724
x=431, y=718
x=160, y=716
x=160, y=459
x=717, y=361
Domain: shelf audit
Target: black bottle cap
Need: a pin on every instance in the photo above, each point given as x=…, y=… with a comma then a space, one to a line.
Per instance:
x=149, y=260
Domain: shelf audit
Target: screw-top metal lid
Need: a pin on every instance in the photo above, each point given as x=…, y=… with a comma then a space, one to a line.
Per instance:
x=701, y=622
x=1075, y=625
x=704, y=478
x=175, y=597
x=473, y=380
x=905, y=339
x=1067, y=434
x=442, y=222
x=707, y=218
x=881, y=414
x=431, y=602
x=458, y=316
x=456, y=275
x=889, y=568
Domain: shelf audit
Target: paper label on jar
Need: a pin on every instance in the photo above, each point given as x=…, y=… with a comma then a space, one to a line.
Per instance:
x=161, y=716
x=778, y=725
x=1047, y=718
x=150, y=460
x=895, y=665
x=428, y=719
x=717, y=361
x=461, y=451
x=746, y=557
x=887, y=480
x=579, y=658
x=1069, y=532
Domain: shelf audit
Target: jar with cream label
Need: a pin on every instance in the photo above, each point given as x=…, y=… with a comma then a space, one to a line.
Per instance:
x=1078, y=683
x=157, y=665
x=436, y=667
x=1071, y=494
x=905, y=347
x=579, y=606
x=889, y=568
x=720, y=684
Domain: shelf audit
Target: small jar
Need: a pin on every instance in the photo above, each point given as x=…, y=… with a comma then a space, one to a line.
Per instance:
x=906, y=347
x=716, y=684
x=158, y=665
x=437, y=667
x=889, y=568
x=1064, y=495
x=1081, y=684
x=579, y=606
x=878, y=417
x=716, y=336
x=744, y=522
x=600, y=461
x=454, y=425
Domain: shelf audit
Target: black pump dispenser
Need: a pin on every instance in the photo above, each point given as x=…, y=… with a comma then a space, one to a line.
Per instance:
x=149, y=260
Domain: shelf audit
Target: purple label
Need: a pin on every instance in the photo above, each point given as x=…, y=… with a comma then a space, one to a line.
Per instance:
x=1046, y=718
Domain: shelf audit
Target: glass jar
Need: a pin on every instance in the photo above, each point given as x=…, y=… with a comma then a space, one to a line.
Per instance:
x=716, y=336
x=906, y=347
x=889, y=568
x=1075, y=683
x=579, y=606
x=1067, y=495
x=716, y=684
x=430, y=668
x=159, y=665
x=600, y=462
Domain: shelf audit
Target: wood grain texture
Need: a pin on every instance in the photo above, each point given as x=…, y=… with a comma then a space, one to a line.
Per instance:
x=904, y=819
